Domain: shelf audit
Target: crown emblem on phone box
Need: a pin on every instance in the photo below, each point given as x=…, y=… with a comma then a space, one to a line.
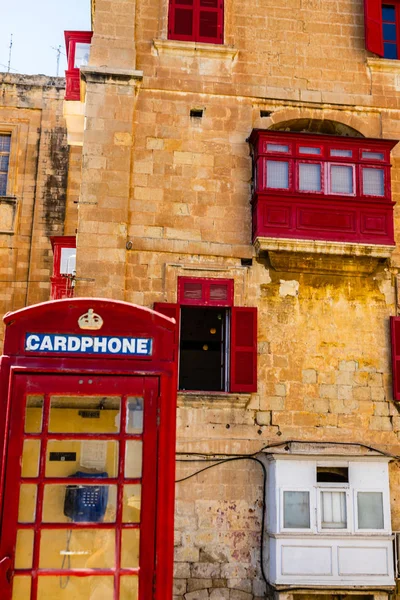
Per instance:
x=90, y=320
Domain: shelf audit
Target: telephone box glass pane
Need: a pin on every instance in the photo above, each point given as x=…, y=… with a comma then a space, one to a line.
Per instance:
x=67, y=457
x=130, y=548
x=134, y=416
x=27, y=503
x=129, y=588
x=77, y=549
x=84, y=414
x=33, y=414
x=132, y=502
x=79, y=503
x=24, y=549
x=133, y=459
x=30, y=458
x=78, y=588
x=21, y=587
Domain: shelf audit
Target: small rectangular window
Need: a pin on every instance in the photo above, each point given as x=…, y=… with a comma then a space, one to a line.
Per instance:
x=82, y=52
x=389, y=30
x=277, y=175
x=370, y=510
x=366, y=154
x=333, y=510
x=342, y=179
x=277, y=148
x=5, y=147
x=341, y=153
x=296, y=510
x=373, y=182
x=310, y=177
x=307, y=150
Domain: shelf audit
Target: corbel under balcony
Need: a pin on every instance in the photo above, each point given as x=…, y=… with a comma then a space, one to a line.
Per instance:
x=320, y=256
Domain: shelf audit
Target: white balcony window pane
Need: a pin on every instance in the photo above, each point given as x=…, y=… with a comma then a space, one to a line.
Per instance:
x=277, y=175
x=372, y=155
x=333, y=510
x=373, y=182
x=306, y=150
x=309, y=177
x=370, y=510
x=342, y=179
x=82, y=52
x=296, y=510
x=277, y=148
x=342, y=153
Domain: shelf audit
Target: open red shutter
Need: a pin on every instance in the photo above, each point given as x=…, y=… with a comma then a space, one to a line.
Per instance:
x=244, y=350
x=181, y=20
x=373, y=26
x=210, y=21
x=169, y=310
x=395, y=331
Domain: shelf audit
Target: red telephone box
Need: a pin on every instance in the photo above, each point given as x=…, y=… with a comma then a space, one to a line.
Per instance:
x=88, y=401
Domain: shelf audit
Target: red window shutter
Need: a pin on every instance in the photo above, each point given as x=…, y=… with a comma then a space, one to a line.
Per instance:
x=181, y=20
x=373, y=26
x=244, y=350
x=210, y=21
x=395, y=331
x=171, y=311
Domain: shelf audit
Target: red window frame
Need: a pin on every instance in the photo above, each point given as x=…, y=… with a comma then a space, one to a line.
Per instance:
x=322, y=176
x=386, y=181
x=243, y=330
x=196, y=8
x=61, y=285
x=356, y=146
x=374, y=40
x=72, y=74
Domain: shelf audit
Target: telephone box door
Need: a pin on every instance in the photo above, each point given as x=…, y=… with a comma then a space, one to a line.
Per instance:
x=80, y=488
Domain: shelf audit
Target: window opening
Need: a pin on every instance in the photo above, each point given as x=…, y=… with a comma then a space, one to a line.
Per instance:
x=373, y=182
x=307, y=150
x=389, y=28
x=370, y=510
x=277, y=175
x=341, y=153
x=333, y=510
x=310, y=177
x=296, y=510
x=196, y=113
x=5, y=146
x=332, y=475
x=342, y=179
x=203, y=349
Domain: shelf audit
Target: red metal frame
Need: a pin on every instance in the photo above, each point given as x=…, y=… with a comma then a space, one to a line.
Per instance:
x=72, y=75
x=293, y=213
x=157, y=377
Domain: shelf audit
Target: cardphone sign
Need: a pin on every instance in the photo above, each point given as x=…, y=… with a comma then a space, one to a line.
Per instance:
x=85, y=344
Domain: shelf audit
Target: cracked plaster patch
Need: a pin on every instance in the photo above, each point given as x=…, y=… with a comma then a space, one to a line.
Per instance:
x=289, y=288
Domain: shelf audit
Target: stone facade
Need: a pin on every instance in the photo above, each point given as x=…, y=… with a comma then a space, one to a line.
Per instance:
x=31, y=110
x=163, y=194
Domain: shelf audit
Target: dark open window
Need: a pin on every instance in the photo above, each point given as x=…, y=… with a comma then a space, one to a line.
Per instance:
x=382, y=27
x=217, y=340
x=196, y=21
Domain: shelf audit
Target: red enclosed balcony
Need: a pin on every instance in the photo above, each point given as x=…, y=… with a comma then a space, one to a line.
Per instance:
x=77, y=44
x=332, y=192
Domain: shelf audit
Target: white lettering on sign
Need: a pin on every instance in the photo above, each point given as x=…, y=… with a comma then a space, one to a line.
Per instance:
x=84, y=344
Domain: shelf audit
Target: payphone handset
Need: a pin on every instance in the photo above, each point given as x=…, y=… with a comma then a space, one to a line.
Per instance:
x=86, y=503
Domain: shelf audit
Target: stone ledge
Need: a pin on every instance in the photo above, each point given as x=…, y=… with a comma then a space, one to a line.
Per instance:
x=109, y=74
x=322, y=256
x=213, y=399
x=194, y=49
x=384, y=65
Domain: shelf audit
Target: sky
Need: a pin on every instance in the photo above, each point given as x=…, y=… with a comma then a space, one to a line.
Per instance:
x=37, y=28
